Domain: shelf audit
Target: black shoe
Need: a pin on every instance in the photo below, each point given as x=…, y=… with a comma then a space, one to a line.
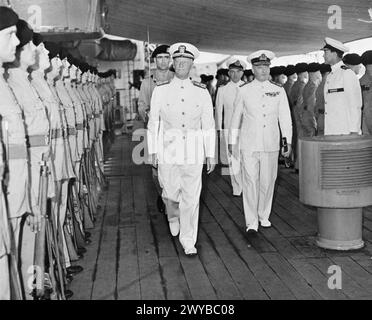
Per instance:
x=68, y=294
x=81, y=251
x=160, y=204
x=74, y=270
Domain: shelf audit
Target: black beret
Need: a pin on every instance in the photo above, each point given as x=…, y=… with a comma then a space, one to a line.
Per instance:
x=313, y=67
x=367, y=57
x=37, y=38
x=248, y=73
x=325, y=68
x=8, y=18
x=274, y=71
x=301, y=67
x=71, y=59
x=160, y=49
x=352, y=59
x=289, y=70
x=84, y=67
x=24, y=33
x=53, y=49
x=63, y=53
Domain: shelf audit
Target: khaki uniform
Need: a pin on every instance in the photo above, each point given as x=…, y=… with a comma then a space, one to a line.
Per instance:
x=319, y=107
x=144, y=101
x=37, y=128
x=13, y=127
x=366, y=85
x=307, y=105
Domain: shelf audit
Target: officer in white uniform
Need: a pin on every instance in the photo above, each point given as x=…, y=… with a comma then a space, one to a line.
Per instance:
x=181, y=134
x=225, y=99
x=261, y=107
x=342, y=94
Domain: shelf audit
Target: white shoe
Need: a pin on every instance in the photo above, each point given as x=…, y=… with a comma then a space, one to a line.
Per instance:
x=174, y=227
x=191, y=251
x=265, y=223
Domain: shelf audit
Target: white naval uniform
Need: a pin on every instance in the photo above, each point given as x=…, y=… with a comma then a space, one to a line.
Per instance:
x=225, y=99
x=342, y=102
x=264, y=107
x=181, y=132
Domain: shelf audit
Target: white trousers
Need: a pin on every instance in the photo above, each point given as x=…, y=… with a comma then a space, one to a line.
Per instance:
x=4, y=278
x=234, y=170
x=181, y=194
x=260, y=170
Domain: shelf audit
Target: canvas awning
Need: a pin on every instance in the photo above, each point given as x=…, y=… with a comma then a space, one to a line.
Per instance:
x=242, y=26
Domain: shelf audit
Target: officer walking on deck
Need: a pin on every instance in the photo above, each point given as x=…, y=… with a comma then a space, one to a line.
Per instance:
x=342, y=94
x=224, y=110
x=181, y=134
x=162, y=59
x=261, y=108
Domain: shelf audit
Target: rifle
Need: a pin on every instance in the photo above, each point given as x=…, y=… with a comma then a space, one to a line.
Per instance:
x=39, y=254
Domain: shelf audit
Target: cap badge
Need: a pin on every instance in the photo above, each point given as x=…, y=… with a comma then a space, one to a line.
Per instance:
x=237, y=63
x=181, y=49
x=263, y=57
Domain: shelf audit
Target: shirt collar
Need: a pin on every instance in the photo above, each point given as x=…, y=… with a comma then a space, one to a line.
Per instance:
x=337, y=66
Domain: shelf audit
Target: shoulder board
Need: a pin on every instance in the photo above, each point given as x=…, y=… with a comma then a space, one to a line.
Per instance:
x=161, y=83
x=277, y=84
x=200, y=85
x=243, y=84
x=345, y=67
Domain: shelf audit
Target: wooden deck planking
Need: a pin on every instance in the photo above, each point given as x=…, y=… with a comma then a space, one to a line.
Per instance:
x=133, y=255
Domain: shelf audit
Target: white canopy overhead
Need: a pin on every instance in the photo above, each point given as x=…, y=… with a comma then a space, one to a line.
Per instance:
x=242, y=26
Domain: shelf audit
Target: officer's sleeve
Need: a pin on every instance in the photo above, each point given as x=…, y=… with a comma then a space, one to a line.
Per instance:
x=285, y=121
x=143, y=98
x=154, y=122
x=354, y=97
x=208, y=126
x=236, y=117
x=219, y=108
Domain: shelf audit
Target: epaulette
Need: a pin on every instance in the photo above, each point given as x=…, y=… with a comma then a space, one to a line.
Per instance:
x=277, y=84
x=200, y=85
x=345, y=67
x=161, y=83
x=243, y=84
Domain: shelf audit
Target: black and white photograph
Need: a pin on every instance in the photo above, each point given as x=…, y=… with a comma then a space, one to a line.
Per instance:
x=181, y=156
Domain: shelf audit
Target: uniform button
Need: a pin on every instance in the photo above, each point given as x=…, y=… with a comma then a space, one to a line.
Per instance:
x=182, y=100
x=184, y=137
x=183, y=113
x=183, y=125
x=182, y=87
x=263, y=106
x=264, y=126
x=264, y=115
